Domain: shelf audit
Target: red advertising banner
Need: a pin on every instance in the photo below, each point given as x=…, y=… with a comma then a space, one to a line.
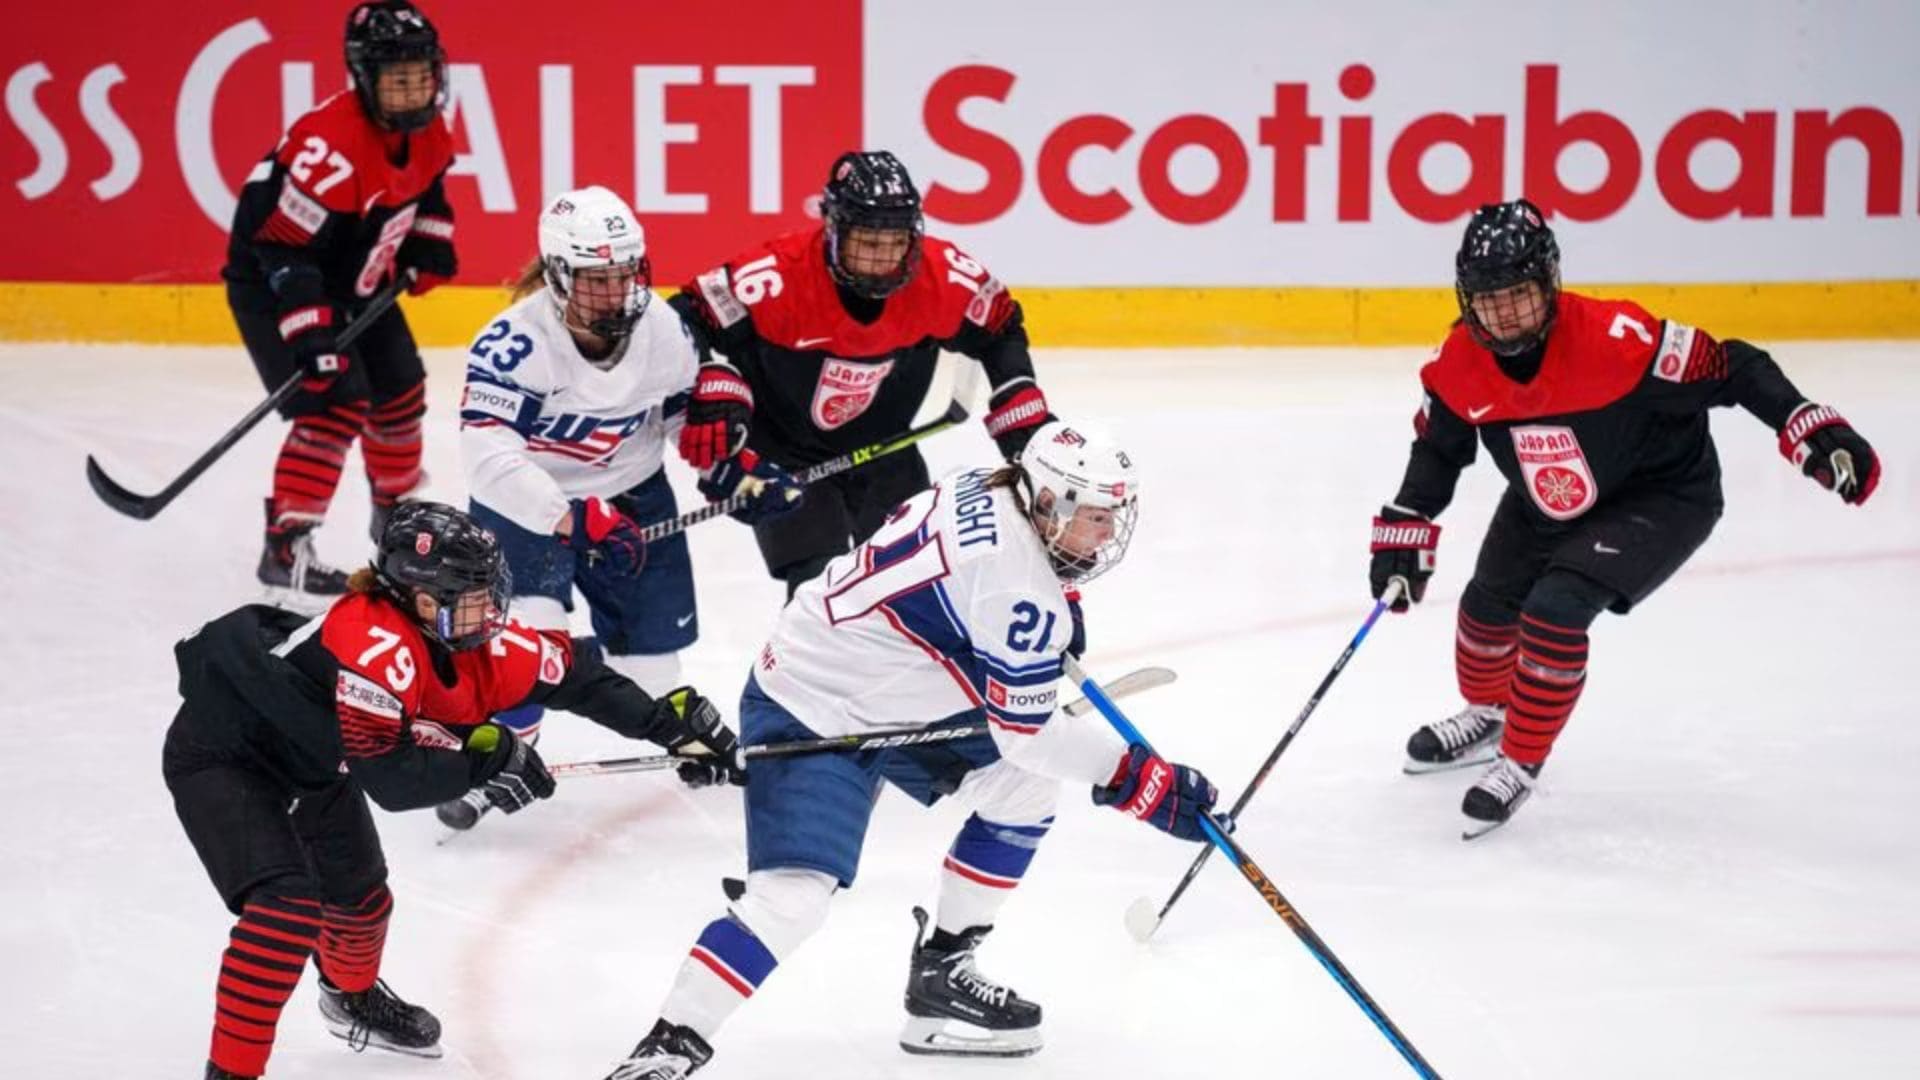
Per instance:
x=126, y=137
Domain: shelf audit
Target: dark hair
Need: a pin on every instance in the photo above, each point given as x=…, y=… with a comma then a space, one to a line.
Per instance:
x=1014, y=479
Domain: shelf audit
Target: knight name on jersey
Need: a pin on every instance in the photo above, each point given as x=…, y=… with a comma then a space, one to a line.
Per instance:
x=973, y=509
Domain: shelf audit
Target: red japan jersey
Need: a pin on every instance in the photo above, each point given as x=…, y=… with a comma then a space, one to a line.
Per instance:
x=333, y=189
x=825, y=382
x=388, y=693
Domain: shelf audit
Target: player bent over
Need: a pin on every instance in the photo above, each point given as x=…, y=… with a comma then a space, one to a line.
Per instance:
x=1596, y=413
x=288, y=725
x=572, y=393
x=953, y=605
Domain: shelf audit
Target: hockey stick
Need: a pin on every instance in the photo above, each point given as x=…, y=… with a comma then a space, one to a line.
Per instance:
x=1269, y=892
x=956, y=414
x=1131, y=683
x=1142, y=919
x=881, y=739
x=144, y=507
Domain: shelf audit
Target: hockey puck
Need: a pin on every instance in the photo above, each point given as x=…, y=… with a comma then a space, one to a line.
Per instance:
x=1143, y=918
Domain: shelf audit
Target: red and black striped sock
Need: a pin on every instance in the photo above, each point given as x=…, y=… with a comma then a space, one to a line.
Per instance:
x=1547, y=679
x=266, y=953
x=391, y=445
x=1483, y=655
x=352, y=940
x=308, y=470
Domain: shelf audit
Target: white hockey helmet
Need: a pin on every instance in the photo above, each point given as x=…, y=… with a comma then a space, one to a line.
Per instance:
x=1081, y=471
x=593, y=229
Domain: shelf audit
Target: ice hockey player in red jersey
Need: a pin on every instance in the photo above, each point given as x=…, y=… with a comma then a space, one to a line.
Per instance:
x=351, y=197
x=288, y=726
x=1596, y=413
x=827, y=339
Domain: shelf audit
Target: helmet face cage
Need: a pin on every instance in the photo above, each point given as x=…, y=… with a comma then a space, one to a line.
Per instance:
x=871, y=191
x=613, y=312
x=434, y=549
x=391, y=32
x=1508, y=245
x=1080, y=568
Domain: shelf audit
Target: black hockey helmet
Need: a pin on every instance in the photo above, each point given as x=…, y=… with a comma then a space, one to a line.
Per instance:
x=1507, y=244
x=432, y=548
x=870, y=189
x=383, y=32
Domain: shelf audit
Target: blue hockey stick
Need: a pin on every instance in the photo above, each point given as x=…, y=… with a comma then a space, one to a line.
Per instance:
x=1268, y=890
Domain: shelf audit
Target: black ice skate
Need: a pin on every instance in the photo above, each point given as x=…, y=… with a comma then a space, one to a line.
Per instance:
x=954, y=1010
x=464, y=812
x=1468, y=737
x=375, y=1017
x=289, y=566
x=215, y=1072
x=1493, y=798
x=669, y=1052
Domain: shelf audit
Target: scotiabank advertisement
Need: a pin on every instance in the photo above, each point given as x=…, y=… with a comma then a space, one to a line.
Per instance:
x=128, y=134
x=1065, y=143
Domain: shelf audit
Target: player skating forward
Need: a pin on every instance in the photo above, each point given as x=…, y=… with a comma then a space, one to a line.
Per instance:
x=954, y=604
x=1596, y=413
x=288, y=725
x=571, y=395
x=828, y=338
x=351, y=197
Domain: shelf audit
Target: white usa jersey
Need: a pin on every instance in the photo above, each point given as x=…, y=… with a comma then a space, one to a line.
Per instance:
x=540, y=425
x=951, y=606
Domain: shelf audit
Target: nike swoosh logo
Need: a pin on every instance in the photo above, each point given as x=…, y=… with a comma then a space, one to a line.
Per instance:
x=1475, y=414
x=684, y=619
x=1604, y=549
x=809, y=342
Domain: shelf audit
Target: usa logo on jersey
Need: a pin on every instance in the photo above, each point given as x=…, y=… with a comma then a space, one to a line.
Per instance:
x=592, y=439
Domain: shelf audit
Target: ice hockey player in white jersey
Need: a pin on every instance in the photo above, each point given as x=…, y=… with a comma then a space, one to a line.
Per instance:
x=572, y=393
x=953, y=607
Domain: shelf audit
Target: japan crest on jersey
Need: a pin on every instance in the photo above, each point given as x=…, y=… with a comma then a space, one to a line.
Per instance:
x=845, y=390
x=1555, y=470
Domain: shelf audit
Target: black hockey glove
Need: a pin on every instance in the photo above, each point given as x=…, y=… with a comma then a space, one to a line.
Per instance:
x=1826, y=448
x=428, y=252
x=510, y=772
x=690, y=727
x=1168, y=797
x=718, y=416
x=768, y=489
x=310, y=334
x=1014, y=413
x=1403, y=546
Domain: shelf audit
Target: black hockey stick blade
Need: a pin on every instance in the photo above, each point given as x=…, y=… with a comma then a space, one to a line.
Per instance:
x=127, y=502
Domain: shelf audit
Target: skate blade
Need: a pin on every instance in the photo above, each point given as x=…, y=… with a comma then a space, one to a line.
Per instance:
x=1476, y=757
x=361, y=1040
x=1480, y=828
x=300, y=603
x=934, y=1036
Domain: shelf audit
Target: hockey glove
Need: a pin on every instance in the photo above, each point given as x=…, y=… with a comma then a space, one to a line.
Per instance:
x=602, y=532
x=1077, y=645
x=428, y=252
x=768, y=489
x=1826, y=448
x=1168, y=797
x=717, y=416
x=309, y=334
x=510, y=773
x=691, y=727
x=1014, y=413
x=1403, y=546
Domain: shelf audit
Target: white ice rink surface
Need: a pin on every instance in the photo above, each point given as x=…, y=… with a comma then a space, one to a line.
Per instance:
x=1719, y=877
